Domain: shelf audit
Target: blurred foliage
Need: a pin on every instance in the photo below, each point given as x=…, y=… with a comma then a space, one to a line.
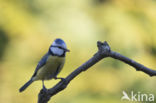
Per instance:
x=28, y=27
x=3, y=42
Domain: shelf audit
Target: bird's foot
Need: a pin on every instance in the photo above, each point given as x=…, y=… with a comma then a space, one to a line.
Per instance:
x=62, y=79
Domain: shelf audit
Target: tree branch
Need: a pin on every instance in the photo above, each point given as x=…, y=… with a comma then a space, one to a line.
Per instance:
x=103, y=52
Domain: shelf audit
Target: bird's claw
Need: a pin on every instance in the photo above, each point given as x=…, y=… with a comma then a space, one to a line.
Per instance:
x=62, y=79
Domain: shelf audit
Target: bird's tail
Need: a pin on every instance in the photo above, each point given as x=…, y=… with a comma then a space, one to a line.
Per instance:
x=25, y=85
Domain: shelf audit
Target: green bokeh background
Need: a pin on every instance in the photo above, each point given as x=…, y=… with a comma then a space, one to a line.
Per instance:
x=28, y=27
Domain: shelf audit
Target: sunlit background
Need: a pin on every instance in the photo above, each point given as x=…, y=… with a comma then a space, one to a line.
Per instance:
x=28, y=27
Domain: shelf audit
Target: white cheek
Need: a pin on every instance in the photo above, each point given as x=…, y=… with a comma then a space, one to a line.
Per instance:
x=63, y=45
x=57, y=51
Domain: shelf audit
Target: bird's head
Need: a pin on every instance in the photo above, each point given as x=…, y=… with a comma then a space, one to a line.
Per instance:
x=58, y=47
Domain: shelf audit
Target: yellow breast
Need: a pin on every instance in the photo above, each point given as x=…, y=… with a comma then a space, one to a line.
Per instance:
x=48, y=71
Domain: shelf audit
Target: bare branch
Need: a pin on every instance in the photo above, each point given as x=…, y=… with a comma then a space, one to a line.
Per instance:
x=103, y=52
x=136, y=65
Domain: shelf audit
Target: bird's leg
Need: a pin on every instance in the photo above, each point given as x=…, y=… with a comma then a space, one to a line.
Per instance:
x=43, y=86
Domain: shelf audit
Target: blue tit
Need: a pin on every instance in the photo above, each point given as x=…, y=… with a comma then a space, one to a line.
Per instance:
x=50, y=64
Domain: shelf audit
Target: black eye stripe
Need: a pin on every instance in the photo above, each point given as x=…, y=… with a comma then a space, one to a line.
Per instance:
x=58, y=47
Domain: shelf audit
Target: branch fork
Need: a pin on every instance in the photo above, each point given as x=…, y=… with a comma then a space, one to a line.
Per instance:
x=104, y=51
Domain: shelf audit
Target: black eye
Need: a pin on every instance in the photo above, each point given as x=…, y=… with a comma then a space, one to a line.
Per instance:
x=60, y=47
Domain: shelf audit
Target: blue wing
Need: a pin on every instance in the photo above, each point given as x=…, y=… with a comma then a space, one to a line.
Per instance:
x=41, y=63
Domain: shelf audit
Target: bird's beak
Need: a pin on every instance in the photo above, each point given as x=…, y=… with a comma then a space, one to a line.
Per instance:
x=67, y=50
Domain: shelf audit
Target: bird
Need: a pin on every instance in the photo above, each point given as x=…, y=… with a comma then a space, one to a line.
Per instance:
x=50, y=64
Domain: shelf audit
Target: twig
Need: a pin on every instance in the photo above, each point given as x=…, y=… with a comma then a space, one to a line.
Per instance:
x=103, y=52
